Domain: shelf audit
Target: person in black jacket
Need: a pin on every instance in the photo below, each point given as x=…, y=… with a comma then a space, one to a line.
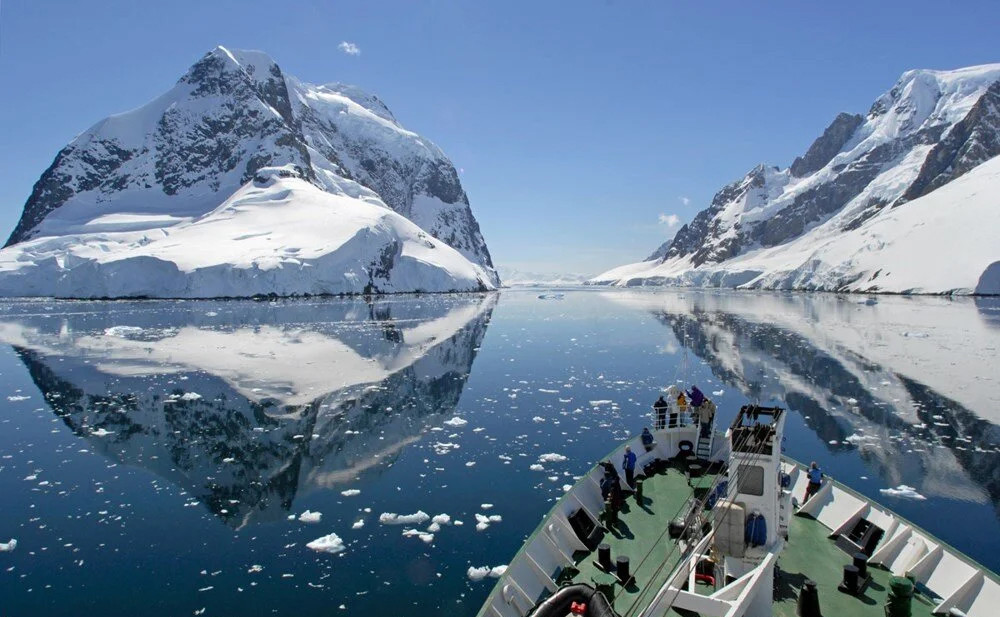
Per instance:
x=660, y=407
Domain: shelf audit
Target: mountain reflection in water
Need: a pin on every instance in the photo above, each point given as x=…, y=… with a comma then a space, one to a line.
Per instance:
x=161, y=420
x=906, y=382
x=279, y=399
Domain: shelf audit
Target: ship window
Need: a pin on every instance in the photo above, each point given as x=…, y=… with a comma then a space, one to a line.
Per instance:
x=751, y=480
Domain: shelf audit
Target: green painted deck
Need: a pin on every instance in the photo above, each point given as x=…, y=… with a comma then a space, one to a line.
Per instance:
x=639, y=533
x=810, y=553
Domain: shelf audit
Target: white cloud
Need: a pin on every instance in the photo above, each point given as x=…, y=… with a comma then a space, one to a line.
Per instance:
x=349, y=48
x=670, y=220
x=685, y=200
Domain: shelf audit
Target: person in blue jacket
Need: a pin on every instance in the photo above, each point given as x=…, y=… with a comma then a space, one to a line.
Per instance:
x=628, y=464
x=815, y=476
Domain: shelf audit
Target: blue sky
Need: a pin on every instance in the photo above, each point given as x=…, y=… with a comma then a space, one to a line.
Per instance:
x=582, y=129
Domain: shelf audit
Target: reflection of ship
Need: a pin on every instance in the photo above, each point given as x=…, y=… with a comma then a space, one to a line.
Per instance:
x=249, y=408
x=829, y=359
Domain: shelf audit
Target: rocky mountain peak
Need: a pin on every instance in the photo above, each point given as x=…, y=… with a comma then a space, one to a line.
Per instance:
x=827, y=145
x=231, y=114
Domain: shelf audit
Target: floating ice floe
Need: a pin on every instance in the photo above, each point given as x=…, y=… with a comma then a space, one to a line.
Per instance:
x=190, y=396
x=543, y=390
x=6, y=547
x=456, y=422
x=310, y=517
x=551, y=457
x=600, y=402
x=351, y=492
x=537, y=467
x=718, y=393
x=538, y=419
x=426, y=537
x=330, y=543
x=123, y=331
x=444, y=447
x=483, y=522
x=254, y=569
x=102, y=432
x=437, y=521
x=478, y=574
x=907, y=492
x=358, y=524
x=391, y=518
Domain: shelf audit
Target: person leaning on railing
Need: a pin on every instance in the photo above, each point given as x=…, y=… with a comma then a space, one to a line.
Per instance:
x=815, y=476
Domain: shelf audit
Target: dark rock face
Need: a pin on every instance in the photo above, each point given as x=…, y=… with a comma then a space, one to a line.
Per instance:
x=690, y=239
x=973, y=140
x=827, y=145
x=828, y=198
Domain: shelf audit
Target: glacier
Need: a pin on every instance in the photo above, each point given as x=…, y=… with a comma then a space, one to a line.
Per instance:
x=899, y=201
x=241, y=181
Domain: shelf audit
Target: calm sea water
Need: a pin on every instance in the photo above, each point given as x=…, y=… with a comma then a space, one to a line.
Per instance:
x=156, y=456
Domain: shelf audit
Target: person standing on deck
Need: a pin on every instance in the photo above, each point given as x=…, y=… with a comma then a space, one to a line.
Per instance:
x=647, y=439
x=660, y=407
x=681, y=408
x=706, y=414
x=696, y=396
x=815, y=476
x=628, y=464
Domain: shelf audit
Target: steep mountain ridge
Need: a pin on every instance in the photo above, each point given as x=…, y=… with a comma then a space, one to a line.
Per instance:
x=232, y=114
x=929, y=129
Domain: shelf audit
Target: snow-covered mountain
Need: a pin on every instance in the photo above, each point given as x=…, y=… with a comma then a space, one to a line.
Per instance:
x=513, y=277
x=900, y=200
x=243, y=180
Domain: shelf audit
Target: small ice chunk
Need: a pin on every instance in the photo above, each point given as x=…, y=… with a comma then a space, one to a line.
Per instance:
x=351, y=492
x=536, y=467
x=310, y=517
x=391, y=518
x=424, y=536
x=123, y=331
x=190, y=396
x=102, y=432
x=551, y=457
x=330, y=543
x=456, y=422
x=478, y=574
x=358, y=524
x=6, y=547
x=904, y=491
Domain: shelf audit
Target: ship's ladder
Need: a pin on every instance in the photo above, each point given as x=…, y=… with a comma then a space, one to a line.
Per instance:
x=704, y=447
